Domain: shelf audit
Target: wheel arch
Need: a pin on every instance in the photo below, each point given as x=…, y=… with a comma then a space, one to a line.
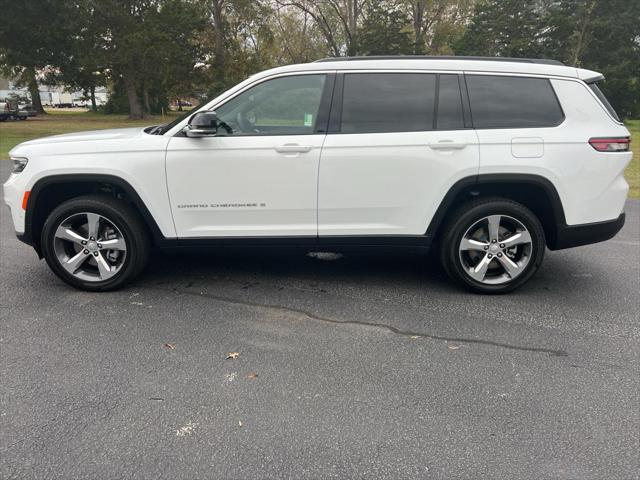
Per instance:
x=49, y=192
x=535, y=192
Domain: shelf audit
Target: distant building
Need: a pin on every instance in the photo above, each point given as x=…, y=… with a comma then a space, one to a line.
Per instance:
x=52, y=95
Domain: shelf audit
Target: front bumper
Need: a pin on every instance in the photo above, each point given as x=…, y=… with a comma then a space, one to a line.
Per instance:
x=14, y=189
x=568, y=236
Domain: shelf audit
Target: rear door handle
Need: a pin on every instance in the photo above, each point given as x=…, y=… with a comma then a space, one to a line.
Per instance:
x=293, y=148
x=447, y=145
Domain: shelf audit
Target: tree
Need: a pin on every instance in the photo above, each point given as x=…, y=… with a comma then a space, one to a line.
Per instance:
x=385, y=31
x=28, y=44
x=505, y=28
x=437, y=24
x=297, y=38
x=338, y=20
x=603, y=36
x=83, y=66
x=148, y=44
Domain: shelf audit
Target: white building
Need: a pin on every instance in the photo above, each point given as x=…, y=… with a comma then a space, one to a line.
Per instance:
x=52, y=95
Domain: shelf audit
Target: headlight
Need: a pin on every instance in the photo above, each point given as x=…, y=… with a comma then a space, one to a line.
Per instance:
x=19, y=163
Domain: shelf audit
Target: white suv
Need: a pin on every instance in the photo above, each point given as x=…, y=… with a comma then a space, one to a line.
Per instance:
x=492, y=160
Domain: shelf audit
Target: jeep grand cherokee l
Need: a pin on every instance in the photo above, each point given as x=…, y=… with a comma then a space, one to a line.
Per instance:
x=490, y=160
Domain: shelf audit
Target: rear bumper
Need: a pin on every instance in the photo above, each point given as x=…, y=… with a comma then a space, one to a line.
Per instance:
x=568, y=236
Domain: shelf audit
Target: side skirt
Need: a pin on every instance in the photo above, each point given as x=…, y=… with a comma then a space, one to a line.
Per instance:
x=418, y=243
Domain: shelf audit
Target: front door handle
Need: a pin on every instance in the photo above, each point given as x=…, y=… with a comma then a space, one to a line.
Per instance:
x=293, y=148
x=447, y=145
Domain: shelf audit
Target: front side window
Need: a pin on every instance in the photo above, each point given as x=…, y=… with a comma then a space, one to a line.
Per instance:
x=512, y=102
x=387, y=102
x=282, y=106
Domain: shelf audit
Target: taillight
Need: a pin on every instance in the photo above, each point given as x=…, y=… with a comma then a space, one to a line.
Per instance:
x=618, y=144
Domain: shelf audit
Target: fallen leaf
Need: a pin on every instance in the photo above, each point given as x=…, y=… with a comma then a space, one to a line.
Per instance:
x=187, y=430
x=233, y=356
x=170, y=346
x=252, y=375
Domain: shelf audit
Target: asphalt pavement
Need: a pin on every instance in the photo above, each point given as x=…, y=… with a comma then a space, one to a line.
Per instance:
x=365, y=366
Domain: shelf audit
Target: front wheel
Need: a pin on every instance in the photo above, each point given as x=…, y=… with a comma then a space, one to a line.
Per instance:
x=492, y=245
x=95, y=242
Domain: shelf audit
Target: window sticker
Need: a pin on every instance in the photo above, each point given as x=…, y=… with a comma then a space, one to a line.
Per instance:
x=308, y=120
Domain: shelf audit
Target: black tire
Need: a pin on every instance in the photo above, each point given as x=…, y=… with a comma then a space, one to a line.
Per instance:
x=122, y=216
x=468, y=214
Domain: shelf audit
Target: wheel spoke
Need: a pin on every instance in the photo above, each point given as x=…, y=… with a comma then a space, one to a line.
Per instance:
x=517, y=239
x=471, y=244
x=66, y=233
x=509, y=266
x=113, y=244
x=105, y=270
x=75, y=262
x=478, y=273
x=93, y=224
x=494, y=226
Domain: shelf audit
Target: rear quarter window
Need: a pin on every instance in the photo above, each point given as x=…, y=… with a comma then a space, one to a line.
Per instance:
x=512, y=102
x=598, y=93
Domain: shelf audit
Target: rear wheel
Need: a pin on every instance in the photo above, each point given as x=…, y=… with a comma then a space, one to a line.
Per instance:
x=95, y=243
x=492, y=245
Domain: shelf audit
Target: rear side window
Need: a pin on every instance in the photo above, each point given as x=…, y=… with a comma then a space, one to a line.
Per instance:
x=594, y=87
x=388, y=102
x=512, y=102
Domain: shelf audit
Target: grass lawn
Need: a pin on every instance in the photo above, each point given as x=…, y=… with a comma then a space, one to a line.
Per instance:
x=632, y=174
x=65, y=121
x=61, y=121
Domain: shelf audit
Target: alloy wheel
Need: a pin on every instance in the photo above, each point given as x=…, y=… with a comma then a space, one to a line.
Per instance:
x=495, y=249
x=90, y=247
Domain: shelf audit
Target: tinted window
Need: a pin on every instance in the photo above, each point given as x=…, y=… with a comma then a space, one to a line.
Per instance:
x=282, y=106
x=512, y=102
x=604, y=100
x=449, y=115
x=388, y=102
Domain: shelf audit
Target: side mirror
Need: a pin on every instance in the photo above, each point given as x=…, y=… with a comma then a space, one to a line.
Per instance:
x=202, y=124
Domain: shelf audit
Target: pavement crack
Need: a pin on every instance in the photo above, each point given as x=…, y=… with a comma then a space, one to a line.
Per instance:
x=395, y=330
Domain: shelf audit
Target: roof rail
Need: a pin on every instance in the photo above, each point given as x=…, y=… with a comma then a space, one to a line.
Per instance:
x=544, y=61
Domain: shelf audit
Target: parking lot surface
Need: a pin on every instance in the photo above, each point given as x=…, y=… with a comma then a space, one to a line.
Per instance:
x=365, y=366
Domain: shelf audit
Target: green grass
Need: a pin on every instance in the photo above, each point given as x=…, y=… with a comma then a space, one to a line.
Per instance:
x=632, y=173
x=66, y=121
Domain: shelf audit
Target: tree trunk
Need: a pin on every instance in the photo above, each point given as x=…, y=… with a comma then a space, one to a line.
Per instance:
x=418, y=11
x=581, y=39
x=220, y=50
x=32, y=84
x=92, y=92
x=147, y=104
x=352, y=27
x=135, y=107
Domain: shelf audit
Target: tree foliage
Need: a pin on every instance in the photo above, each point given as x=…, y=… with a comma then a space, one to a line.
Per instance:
x=601, y=35
x=150, y=52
